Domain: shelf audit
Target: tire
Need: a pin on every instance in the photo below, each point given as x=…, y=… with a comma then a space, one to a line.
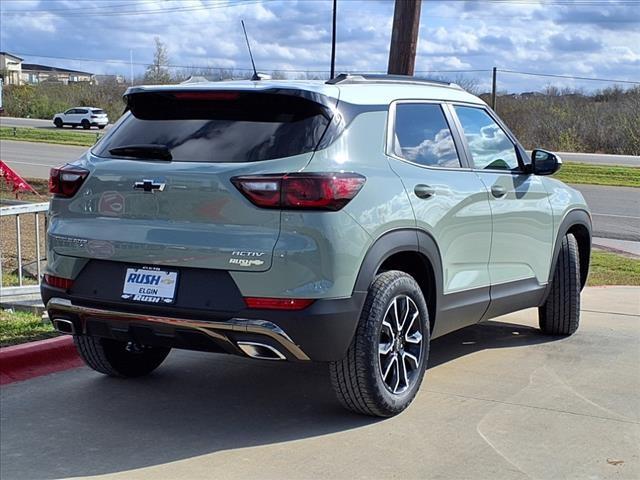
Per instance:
x=560, y=313
x=85, y=124
x=58, y=123
x=358, y=379
x=114, y=359
x=101, y=127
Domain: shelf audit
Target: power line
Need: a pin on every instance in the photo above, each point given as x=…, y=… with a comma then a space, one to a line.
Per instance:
x=209, y=67
x=117, y=13
x=83, y=9
x=344, y=70
x=569, y=77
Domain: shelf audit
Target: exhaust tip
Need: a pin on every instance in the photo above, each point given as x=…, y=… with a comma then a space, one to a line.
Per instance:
x=64, y=326
x=261, y=351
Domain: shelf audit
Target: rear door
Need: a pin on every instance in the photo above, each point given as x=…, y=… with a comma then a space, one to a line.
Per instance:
x=186, y=211
x=450, y=203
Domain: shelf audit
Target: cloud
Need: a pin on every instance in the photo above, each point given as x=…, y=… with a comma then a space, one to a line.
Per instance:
x=566, y=43
x=295, y=35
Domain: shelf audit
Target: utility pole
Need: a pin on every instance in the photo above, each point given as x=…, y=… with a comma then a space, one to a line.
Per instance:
x=404, y=37
x=131, y=65
x=333, y=41
x=493, y=89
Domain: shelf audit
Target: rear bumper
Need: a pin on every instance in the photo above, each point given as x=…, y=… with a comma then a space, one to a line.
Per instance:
x=321, y=332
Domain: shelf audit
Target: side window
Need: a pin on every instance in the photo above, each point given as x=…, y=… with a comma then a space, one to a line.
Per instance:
x=81, y=111
x=70, y=111
x=490, y=147
x=422, y=135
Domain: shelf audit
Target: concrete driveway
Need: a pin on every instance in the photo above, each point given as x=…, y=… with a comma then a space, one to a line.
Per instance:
x=500, y=401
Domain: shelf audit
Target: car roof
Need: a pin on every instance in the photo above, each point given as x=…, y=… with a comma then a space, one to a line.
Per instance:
x=366, y=93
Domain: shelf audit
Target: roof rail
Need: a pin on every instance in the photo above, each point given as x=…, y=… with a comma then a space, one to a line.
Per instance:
x=351, y=78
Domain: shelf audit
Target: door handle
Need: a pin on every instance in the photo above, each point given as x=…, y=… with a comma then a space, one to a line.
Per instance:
x=424, y=191
x=498, y=191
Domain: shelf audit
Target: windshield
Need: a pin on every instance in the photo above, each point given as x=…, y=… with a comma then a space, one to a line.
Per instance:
x=219, y=126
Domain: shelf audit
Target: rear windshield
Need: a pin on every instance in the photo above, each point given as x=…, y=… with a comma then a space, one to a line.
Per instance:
x=220, y=126
x=97, y=111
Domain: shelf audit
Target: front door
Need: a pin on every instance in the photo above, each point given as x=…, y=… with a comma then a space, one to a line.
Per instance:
x=522, y=240
x=450, y=203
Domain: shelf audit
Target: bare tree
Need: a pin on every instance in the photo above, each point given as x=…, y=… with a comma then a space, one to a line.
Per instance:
x=158, y=71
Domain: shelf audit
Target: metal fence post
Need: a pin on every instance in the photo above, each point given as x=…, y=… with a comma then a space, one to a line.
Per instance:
x=19, y=250
x=37, y=218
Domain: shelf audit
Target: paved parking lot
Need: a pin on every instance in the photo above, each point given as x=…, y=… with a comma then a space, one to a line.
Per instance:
x=500, y=401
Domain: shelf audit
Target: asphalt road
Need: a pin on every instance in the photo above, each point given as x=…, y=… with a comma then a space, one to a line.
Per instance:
x=500, y=401
x=616, y=209
x=33, y=160
x=37, y=123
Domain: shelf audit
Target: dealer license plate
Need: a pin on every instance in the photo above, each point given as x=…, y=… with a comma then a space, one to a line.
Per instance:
x=149, y=284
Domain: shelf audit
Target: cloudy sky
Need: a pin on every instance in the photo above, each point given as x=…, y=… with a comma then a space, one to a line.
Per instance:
x=584, y=38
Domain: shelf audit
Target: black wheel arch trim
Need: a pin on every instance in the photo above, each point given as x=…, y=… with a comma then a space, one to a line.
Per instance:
x=573, y=218
x=399, y=241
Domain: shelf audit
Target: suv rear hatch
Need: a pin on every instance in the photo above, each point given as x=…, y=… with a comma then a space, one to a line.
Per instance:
x=159, y=190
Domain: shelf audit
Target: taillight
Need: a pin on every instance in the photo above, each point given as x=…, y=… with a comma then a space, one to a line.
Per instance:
x=58, y=282
x=278, y=303
x=304, y=191
x=65, y=181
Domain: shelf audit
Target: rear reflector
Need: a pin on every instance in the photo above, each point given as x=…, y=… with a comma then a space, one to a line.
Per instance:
x=278, y=303
x=65, y=181
x=58, y=282
x=301, y=191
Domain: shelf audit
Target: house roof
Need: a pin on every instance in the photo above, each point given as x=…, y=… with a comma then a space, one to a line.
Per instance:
x=46, y=68
x=11, y=55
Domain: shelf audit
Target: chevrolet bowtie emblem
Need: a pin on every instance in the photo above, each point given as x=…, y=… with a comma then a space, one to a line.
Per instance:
x=149, y=186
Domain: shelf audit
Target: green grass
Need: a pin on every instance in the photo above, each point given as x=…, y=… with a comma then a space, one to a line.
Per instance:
x=612, y=269
x=48, y=136
x=21, y=327
x=11, y=280
x=599, y=175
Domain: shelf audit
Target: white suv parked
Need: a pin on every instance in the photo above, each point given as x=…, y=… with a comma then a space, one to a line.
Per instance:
x=85, y=117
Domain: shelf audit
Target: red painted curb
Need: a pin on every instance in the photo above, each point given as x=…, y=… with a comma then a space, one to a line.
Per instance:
x=33, y=359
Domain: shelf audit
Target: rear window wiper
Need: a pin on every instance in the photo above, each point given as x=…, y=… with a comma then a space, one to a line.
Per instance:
x=148, y=151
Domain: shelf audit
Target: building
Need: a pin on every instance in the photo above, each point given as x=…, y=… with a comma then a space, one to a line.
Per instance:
x=35, y=73
x=108, y=79
x=14, y=71
x=10, y=68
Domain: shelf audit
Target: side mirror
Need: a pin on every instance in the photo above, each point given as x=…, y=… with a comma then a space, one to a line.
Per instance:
x=545, y=163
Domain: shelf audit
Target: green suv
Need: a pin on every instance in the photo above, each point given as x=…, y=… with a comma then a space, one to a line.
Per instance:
x=348, y=222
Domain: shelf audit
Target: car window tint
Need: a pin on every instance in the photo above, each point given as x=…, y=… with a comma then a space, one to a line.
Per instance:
x=422, y=135
x=81, y=111
x=220, y=127
x=490, y=147
x=70, y=111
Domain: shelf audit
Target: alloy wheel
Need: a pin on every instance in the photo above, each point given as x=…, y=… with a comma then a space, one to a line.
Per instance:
x=400, y=344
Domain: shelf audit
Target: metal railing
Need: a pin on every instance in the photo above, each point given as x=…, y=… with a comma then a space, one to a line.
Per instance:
x=37, y=210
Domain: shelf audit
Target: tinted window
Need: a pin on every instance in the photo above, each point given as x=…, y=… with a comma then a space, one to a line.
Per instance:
x=97, y=111
x=422, y=135
x=220, y=126
x=81, y=110
x=490, y=146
